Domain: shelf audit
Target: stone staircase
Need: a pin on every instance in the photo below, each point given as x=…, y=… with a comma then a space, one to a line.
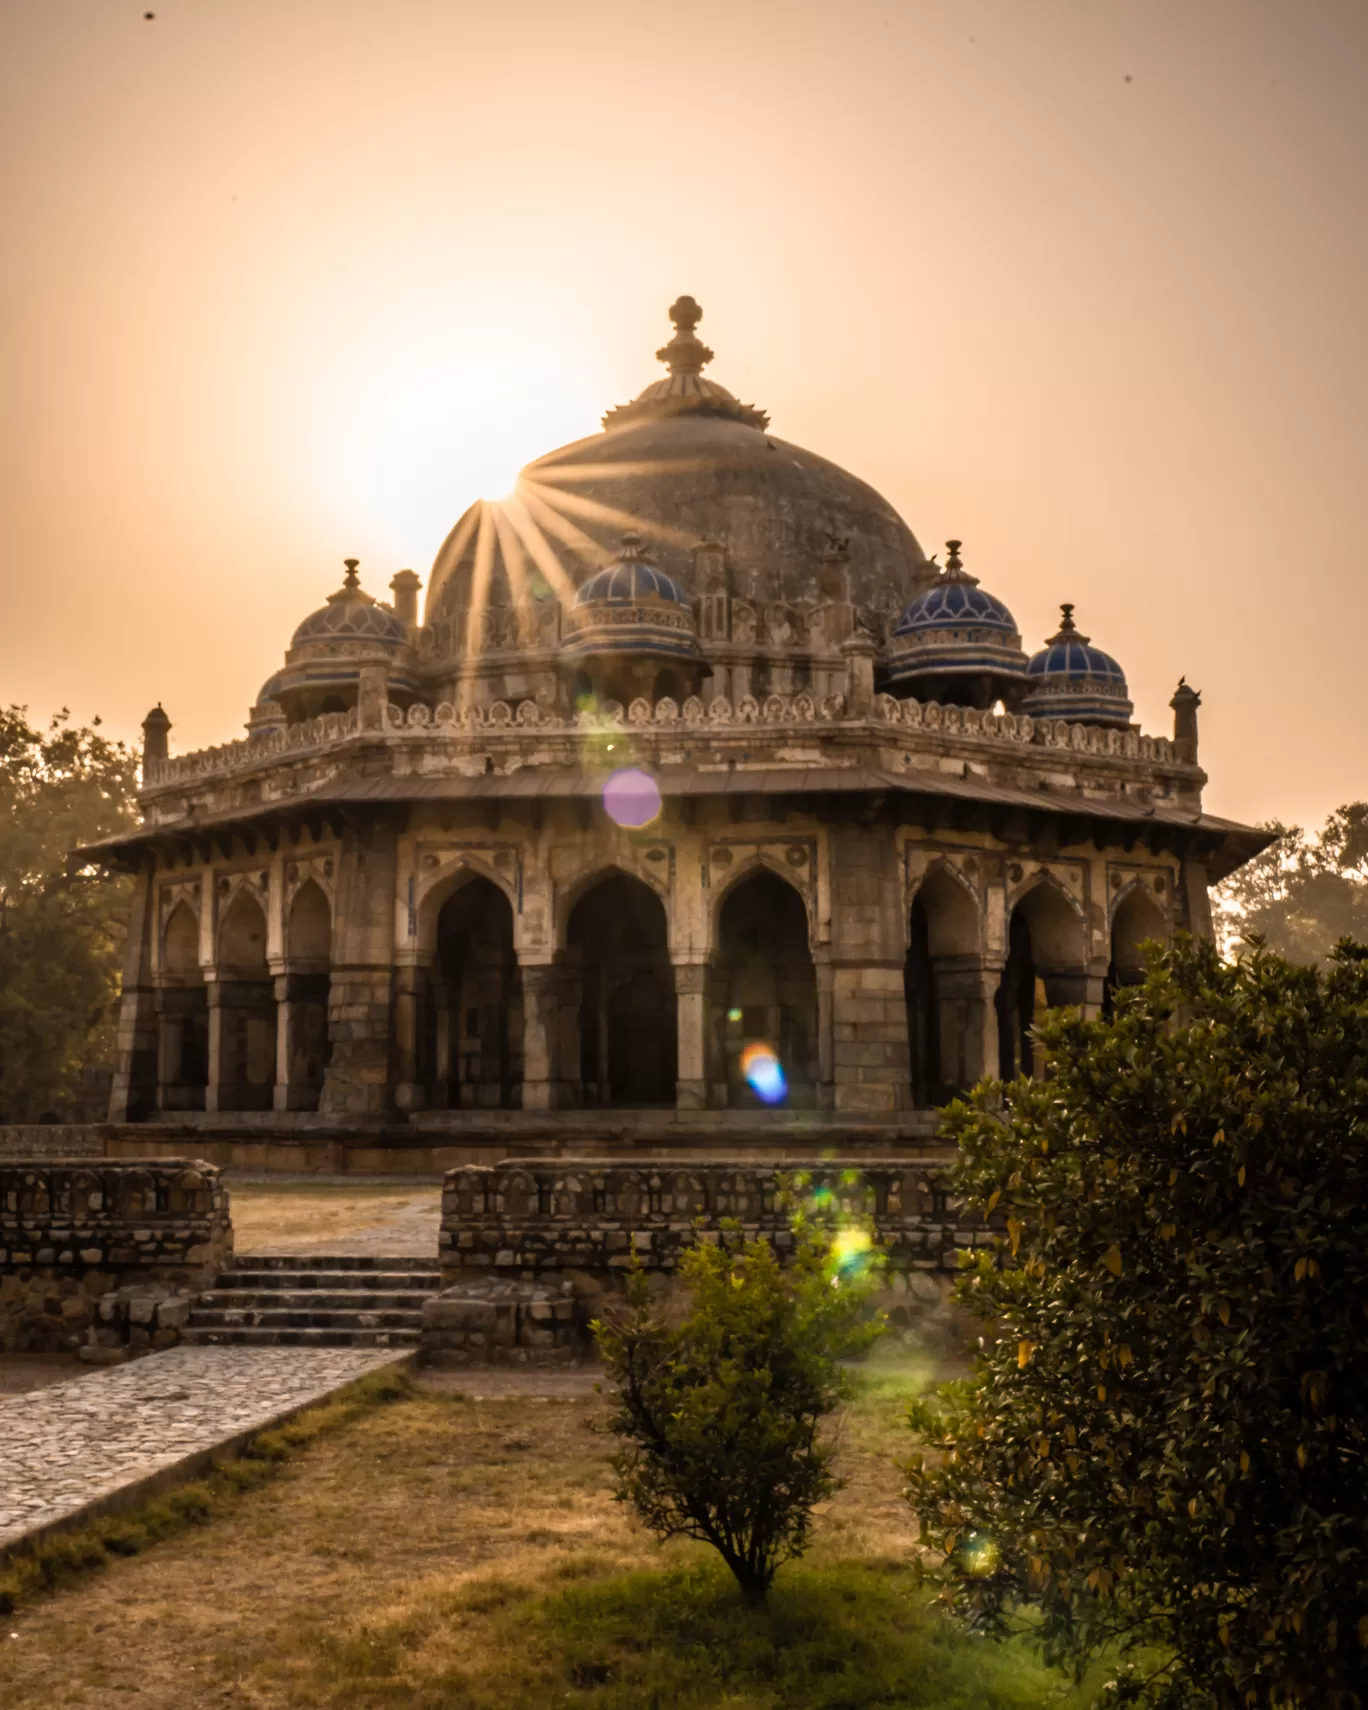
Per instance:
x=314, y=1301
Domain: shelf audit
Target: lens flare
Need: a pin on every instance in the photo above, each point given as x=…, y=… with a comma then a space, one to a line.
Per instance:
x=850, y=1249
x=631, y=798
x=980, y=1556
x=733, y=1015
x=764, y=1073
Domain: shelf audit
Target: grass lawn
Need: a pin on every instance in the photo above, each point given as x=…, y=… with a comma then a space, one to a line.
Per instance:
x=436, y=1552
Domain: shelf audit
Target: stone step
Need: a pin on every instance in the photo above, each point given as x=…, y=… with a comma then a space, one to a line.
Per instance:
x=240, y=1335
x=277, y=1318
x=388, y=1282
x=332, y=1262
x=310, y=1299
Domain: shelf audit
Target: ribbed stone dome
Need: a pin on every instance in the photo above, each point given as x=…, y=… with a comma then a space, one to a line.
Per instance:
x=956, y=642
x=685, y=463
x=352, y=615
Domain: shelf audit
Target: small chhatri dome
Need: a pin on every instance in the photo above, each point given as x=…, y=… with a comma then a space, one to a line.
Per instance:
x=955, y=642
x=686, y=392
x=351, y=614
x=631, y=577
x=1071, y=679
x=631, y=606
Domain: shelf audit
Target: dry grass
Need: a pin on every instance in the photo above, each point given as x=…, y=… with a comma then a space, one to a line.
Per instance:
x=440, y=1552
x=282, y=1215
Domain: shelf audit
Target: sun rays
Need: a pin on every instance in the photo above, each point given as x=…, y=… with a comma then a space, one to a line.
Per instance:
x=515, y=553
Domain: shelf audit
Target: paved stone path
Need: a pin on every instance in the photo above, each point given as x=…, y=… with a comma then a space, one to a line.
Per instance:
x=74, y=1449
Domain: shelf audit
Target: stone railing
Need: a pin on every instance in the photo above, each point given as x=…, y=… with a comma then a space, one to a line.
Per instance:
x=530, y=1218
x=72, y=1233
x=774, y=712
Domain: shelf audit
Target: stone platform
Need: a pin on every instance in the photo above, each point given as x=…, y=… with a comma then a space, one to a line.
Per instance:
x=76, y=1450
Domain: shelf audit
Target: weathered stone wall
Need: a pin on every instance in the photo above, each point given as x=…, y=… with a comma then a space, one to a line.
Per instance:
x=51, y=1140
x=71, y=1233
x=531, y=1219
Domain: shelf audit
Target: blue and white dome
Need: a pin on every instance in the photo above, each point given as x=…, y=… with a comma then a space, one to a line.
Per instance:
x=632, y=606
x=1071, y=679
x=955, y=642
x=352, y=615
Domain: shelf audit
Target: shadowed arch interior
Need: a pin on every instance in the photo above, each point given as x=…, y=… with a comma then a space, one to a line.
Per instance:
x=764, y=988
x=473, y=1050
x=1046, y=967
x=940, y=980
x=304, y=992
x=244, y=1031
x=618, y=958
x=182, y=1016
x=1137, y=919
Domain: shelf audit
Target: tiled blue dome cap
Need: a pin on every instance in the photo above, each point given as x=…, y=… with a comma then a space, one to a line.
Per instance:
x=630, y=579
x=955, y=639
x=955, y=602
x=1071, y=679
x=352, y=615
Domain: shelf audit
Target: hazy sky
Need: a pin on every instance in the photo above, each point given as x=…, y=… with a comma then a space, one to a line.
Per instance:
x=1079, y=281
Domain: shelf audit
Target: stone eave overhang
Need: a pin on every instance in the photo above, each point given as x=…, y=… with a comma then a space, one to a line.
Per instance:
x=347, y=799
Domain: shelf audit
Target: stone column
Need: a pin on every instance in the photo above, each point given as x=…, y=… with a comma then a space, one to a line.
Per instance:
x=301, y=1036
x=132, y=1093
x=410, y=994
x=358, y=1079
x=220, y=1052
x=826, y=1042
x=691, y=988
x=539, y=1024
x=966, y=988
x=871, y=1068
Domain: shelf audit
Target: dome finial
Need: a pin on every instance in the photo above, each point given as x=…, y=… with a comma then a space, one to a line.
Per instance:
x=1068, y=629
x=954, y=570
x=685, y=353
x=353, y=581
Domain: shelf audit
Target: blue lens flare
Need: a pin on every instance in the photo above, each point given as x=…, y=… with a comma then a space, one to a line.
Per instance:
x=764, y=1073
x=631, y=798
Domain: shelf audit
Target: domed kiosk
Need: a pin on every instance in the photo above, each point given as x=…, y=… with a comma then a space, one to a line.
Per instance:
x=410, y=911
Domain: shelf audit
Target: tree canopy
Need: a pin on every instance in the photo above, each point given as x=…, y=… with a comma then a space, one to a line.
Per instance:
x=1302, y=894
x=1164, y=1446
x=61, y=932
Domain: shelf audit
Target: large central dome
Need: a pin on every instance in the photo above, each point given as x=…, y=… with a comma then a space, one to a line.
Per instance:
x=686, y=464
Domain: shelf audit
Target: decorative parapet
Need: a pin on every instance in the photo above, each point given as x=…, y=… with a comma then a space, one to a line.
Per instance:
x=777, y=712
x=531, y=1219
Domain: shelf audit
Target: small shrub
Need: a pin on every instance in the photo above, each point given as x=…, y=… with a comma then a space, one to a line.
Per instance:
x=720, y=1417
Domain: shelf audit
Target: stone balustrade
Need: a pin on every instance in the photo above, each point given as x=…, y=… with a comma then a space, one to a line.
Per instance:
x=533, y=1218
x=73, y=1232
x=778, y=712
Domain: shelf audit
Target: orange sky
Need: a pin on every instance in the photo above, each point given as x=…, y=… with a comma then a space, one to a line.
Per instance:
x=1079, y=281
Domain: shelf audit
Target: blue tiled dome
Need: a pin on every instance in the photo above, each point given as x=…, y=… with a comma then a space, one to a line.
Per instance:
x=632, y=607
x=351, y=615
x=1071, y=679
x=954, y=605
x=630, y=579
x=955, y=642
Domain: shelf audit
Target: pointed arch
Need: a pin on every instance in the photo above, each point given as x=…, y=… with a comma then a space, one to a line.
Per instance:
x=182, y=1015
x=953, y=908
x=1137, y=917
x=308, y=927
x=569, y=896
x=762, y=861
x=242, y=936
x=621, y=983
x=1046, y=966
x=763, y=986
x=471, y=1031
x=941, y=984
x=180, y=963
x=437, y=891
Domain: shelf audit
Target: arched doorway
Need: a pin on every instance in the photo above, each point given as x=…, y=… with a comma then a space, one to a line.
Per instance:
x=473, y=1049
x=765, y=989
x=304, y=1043
x=1137, y=919
x=244, y=998
x=941, y=981
x=182, y=1016
x=1045, y=968
x=617, y=953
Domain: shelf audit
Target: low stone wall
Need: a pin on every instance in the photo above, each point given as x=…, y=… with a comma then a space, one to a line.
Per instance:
x=146, y=1232
x=53, y=1140
x=489, y=1321
x=528, y=1218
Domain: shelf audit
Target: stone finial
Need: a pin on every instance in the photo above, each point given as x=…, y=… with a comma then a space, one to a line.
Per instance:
x=1068, y=630
x=632, y=548
x=404, y=586
x=155, y=728
x=954, y=570
x=685, y=353
x=1185, y=703
x=352, y=581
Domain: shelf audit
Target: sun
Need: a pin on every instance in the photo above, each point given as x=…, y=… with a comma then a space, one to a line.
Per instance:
x=436, y=422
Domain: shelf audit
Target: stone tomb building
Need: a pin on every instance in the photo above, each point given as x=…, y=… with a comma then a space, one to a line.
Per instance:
x=420, y=905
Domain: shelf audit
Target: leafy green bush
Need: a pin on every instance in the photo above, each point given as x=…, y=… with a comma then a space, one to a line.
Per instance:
x=720, y=1416
x=1163, y=1446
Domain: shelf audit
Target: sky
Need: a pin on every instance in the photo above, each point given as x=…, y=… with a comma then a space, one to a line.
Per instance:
x=1080, y=282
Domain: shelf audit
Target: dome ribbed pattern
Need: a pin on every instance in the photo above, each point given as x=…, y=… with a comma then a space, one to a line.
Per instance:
x=344, y=619
x=955, y=605
x=628, y=582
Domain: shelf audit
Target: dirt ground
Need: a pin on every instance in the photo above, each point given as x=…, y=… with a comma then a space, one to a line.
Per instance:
x=391, y=1518
x=335, y=1216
